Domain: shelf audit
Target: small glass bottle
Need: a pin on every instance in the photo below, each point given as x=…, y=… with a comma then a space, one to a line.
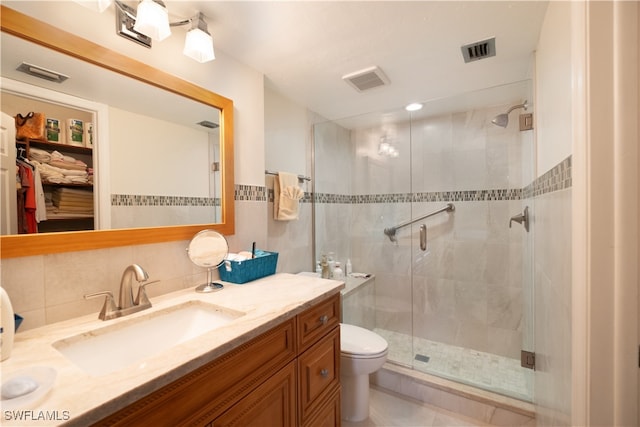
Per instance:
x=338, y=274
x=324, y=268
x=348, y=269
x=331, y=259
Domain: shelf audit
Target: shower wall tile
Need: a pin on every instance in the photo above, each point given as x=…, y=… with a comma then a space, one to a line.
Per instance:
x=469, y=170
x=468, y=287
x=469, y=130
x=358, y=306
x=332, y=225
x=552, y=277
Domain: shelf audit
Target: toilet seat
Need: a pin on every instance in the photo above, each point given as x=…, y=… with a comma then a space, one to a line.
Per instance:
x=361, y=343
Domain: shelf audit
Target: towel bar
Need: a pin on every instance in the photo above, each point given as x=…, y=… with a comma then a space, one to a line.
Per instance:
x=301, y=178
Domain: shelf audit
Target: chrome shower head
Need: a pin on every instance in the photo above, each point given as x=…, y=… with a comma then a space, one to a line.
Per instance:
x=502, y=120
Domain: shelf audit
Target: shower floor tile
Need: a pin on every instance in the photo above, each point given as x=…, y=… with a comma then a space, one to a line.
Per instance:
x=484, y=370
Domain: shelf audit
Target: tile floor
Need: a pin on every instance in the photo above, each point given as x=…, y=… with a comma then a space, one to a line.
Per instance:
x=484, y=370
x=388, y=410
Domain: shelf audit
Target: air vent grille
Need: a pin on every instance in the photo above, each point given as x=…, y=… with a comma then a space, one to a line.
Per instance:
x=208, y=124
x=41, y=72
x=367, y=79
x=479, y=50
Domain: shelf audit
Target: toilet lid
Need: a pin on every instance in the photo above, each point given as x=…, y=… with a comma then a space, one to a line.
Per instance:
x=360, y=341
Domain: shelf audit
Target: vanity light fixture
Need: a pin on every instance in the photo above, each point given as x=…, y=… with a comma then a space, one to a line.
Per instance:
x=150, y=21
x=198, y=44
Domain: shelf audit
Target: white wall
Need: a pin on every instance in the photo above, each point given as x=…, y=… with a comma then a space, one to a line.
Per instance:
x=148, y=154
x=553, y=63
x=288, y=149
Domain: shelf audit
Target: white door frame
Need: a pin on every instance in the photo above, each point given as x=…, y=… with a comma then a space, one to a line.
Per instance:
x=605, y=212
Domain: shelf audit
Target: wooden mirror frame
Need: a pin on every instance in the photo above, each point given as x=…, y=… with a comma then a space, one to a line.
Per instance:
x=28, y=28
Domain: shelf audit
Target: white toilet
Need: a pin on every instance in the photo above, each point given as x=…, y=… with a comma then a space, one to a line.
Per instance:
x=362, y=352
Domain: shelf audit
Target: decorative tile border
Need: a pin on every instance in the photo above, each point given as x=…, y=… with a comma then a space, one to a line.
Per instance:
x=255, y=193
x=556, y=179
x=144, y=200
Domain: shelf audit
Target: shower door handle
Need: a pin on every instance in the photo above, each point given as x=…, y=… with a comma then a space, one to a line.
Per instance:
x=423, y=237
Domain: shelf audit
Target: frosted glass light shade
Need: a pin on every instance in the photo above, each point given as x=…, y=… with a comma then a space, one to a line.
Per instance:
x=152, y=20
x=198, y=45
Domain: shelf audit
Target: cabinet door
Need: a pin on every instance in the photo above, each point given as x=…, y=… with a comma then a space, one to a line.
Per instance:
x=328, y=415
x=272, y=404
x=319, y=374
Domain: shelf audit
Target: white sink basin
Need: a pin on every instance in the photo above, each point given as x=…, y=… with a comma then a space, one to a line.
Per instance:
x=131, y=341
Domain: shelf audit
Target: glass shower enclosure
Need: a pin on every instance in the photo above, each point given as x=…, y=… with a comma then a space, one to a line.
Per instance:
x=453, y=291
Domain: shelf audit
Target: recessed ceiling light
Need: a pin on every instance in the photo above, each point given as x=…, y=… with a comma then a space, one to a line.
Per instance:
x=413, y=107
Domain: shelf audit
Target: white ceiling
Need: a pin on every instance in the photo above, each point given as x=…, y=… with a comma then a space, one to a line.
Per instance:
x=305, y=47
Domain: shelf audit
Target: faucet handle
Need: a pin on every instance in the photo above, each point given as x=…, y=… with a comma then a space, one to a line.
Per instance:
x=142, y=298
x=109, y=306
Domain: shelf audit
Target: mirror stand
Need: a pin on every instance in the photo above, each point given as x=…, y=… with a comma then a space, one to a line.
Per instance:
x=208, y=249
x=210, y=286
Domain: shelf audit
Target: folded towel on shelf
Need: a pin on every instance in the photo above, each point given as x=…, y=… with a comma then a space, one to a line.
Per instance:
x=286, y=196
x=39, y=155
x=67, y=165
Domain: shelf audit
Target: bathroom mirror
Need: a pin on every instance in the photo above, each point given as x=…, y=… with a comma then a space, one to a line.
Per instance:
x=208, y=249
x=41, y=33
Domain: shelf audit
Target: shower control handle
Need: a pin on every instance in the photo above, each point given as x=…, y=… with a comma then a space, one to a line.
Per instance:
x=522, y=218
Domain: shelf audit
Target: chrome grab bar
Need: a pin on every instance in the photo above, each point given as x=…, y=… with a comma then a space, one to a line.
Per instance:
x=391, y=232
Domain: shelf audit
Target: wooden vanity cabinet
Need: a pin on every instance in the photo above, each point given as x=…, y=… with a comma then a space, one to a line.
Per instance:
x=288, y=376
x=319, y=362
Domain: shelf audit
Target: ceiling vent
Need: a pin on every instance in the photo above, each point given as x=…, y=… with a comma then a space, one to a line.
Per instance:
x=43, y=73
x=208, y=124
x=366, y=79
x=479, y=50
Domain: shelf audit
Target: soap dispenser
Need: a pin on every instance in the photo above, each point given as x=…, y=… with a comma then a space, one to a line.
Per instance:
x=7, y=328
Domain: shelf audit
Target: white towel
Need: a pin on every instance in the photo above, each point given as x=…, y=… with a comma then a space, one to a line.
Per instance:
x=286, y=196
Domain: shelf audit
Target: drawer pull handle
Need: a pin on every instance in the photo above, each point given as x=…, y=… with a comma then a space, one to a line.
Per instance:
x=324, y=373
x=324, y=319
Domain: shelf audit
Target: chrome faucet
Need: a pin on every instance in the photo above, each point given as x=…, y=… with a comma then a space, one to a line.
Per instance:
x=126, y=290
x=127, y=305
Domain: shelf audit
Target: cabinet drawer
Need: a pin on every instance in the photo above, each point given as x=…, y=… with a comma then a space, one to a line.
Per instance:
x=318, y=373
x=207, y=392
x=317, y=321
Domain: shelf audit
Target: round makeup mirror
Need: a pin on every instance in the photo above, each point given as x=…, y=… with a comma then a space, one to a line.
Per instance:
x=208, y=249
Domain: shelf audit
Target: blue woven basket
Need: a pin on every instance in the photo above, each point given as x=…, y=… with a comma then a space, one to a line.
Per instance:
x=251, y=269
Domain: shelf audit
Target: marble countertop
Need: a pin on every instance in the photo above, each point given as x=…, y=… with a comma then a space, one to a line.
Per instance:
x=353, y=282
x=78, y=398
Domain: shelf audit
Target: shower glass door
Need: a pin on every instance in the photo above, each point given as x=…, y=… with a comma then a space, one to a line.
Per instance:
x=471, y=281
x=458, y=304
